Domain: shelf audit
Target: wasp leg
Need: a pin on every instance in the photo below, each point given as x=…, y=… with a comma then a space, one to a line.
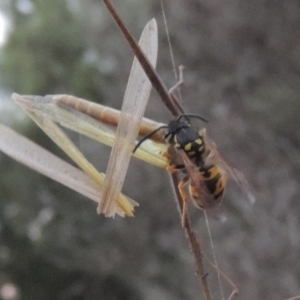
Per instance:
x=172, y=168
x=184, y=198
x=167, y=155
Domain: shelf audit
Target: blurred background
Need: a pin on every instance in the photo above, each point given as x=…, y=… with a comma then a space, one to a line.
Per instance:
x=242, y=72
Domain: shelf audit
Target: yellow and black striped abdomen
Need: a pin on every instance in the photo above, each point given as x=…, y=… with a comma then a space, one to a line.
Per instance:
x=214, y=181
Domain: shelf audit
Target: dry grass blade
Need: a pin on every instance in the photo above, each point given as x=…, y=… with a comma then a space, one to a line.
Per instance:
x=133, y=108
x=61, y=139
x=56, y=108
x=37, y=158
x=105, y=114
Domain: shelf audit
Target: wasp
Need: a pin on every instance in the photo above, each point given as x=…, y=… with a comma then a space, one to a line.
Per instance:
x=206, y=181
x=206, y=173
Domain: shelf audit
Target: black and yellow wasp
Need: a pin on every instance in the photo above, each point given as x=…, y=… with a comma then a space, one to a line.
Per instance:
x=205, y=178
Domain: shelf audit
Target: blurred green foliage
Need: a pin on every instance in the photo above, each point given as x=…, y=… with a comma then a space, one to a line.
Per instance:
x=45, y=52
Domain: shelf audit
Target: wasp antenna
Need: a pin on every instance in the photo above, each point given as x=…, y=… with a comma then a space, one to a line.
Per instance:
x=147, y=137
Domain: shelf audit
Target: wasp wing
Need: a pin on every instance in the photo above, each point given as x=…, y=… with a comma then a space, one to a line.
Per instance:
x=133, y=108
x=217, y=158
